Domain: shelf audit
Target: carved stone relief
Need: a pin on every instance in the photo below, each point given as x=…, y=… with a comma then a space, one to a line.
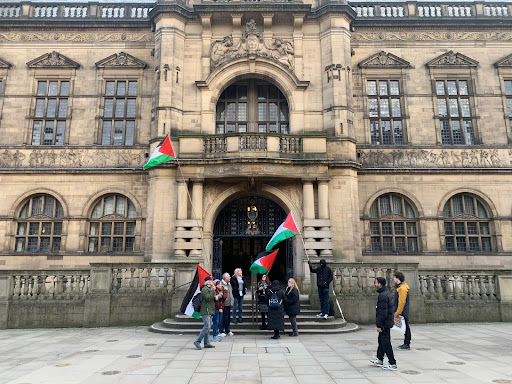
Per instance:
x=77, y=37
x=452, y=59
x=384, y=59
x=252, y=43
x=435, y=158
x=431, y=36
x=53, y=60
x=71, y=158
x=123, y=60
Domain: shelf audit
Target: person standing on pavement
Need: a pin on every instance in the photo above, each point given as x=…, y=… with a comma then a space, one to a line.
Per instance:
x=239, y=290
x=220, y=297
x=402, y=306
x=262, y=299
x=323, y=279
x=226, y=314
x=384, y=322
x=275, y=298
x=292, y=304
x=207, y=311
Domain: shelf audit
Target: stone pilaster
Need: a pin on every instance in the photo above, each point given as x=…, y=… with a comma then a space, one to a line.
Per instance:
x=197, y=212
x=181, y=212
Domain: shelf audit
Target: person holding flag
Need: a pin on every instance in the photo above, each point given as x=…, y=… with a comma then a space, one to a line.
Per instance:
x=323, y=279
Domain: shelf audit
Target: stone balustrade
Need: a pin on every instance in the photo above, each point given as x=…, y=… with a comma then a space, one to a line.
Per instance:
x=142, y=278
x=458, y=285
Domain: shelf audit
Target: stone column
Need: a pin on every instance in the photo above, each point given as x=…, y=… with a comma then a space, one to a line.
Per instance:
x=237, y=24
x=181, y=212
x=323, y=199
x=197, y=213
x=309, y=199
x=161, y=214
x=267, y=26
x=298, y=21
x=206, y=23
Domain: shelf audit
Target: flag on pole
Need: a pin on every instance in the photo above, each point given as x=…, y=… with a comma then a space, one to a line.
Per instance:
x=286, y=230
x=263, y=264
x=186, y=306
x=163, y=152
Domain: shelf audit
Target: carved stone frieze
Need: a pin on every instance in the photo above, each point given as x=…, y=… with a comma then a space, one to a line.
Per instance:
x=435, y=158
x=252, y=43
x=121, y=60
x=53, y=60
x=431, y=36
x=384, y=60
x=71, y=158
x=505, y=62
x=452, y=59
x=86, y=37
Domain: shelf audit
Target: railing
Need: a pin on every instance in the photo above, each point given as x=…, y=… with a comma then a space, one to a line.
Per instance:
x=142, y=278
x=215, y=144
x=355, y=278
x=253, y=143
x=290, y=144
x=50, y=285
x=458, y=285
x=10, y=11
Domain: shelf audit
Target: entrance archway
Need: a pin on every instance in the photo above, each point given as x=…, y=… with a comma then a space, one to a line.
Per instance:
x=242, y=230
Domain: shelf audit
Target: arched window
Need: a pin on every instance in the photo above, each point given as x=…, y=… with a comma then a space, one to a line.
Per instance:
x=252, y=106
x=466, y=224
x=39, y=225
x=112, y=225
x=393, y=225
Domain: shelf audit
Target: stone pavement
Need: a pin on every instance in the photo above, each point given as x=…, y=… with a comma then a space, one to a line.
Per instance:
x=442, y=353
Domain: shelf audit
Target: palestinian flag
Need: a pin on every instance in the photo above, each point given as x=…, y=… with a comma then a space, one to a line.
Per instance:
x=195, y=288
x=263, y=264
x=163, y=152
x=286, y=230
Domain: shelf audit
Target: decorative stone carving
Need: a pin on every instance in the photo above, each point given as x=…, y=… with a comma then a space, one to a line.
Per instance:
x=78, y=37
x=435, y=158
x=452, y=59
x=121, y=60
x=71, y=158
x=384, y=59
x=431, y=36
x=252, y=43
x=53, y=60
x=505, y=62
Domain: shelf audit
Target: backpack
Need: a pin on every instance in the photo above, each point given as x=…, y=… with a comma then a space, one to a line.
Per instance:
x=196, y=302
x=274, y=301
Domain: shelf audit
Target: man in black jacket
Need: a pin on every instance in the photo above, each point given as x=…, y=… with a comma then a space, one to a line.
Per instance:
x=384, y=322
x=323, y=279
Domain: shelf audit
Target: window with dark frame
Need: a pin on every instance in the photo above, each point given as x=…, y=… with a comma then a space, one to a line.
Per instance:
x=467, y=225
x=385, y=112
x=249, y=102
x=119, y=113
x=508, y=93
x=393, y=225
x=112, y=225
x=51, y=111
x=39, y=225
x=455, y=115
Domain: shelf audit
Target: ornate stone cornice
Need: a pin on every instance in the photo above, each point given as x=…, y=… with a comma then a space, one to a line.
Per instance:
x=53, y=60
x=451, y=60
x=418, y=35
x=121, y=60
x=4, y=64
x=79, y=37
x=384, y=60
x=505, y=62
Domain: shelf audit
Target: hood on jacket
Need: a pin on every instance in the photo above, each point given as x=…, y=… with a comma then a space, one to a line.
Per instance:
x=323, y=263
x=403, y=286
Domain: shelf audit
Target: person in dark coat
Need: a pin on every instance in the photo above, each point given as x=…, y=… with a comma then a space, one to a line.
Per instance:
x=292, y=304
x=323, y=279
x=384, y=321
x=239, y=290
x=275, y=315
x=262, y=299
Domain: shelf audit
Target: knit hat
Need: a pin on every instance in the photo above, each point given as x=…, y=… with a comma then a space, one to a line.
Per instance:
x=217, y=281
x=208, y=278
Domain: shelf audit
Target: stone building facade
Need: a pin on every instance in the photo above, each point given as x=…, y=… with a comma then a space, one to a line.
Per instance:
x=384, y=127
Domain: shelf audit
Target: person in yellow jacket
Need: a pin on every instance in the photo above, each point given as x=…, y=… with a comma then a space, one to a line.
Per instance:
x=402, y=306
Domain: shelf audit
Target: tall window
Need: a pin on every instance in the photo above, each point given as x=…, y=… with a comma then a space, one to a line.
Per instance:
x=454, y=110
x=39, y=225
x=49, y=124
x=466, y=225
x=112, y=225
x=393, y=225
x=385, y=112
x=118, y=124
x=252, y=106
x=508, y=93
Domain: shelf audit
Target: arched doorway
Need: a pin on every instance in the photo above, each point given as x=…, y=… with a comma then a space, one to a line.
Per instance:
x=242, y=230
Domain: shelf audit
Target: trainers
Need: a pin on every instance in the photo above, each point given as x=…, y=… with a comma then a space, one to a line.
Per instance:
x=376, y=362
x=197, y=345
x=404, y=347
x=217, y=338
x=209, y=346
x=391, y=367
x=231, y=334
x=325, y=316
x=222, y=334
x=320, y=315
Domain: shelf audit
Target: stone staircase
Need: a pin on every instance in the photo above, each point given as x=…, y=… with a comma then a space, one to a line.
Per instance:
x=307, y=323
